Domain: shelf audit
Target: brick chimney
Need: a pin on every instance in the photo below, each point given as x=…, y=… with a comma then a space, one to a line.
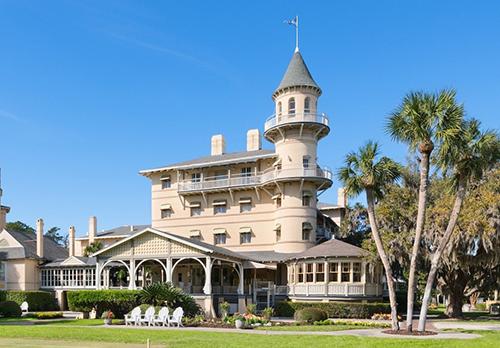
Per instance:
x=92, y=229
x=253, y=140
x=39, y=238
x=218, y=145
x=3, y=216
x=71, y=241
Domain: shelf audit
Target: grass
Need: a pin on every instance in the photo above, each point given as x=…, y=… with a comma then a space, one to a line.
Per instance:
x=192, y=339
x=311, y=327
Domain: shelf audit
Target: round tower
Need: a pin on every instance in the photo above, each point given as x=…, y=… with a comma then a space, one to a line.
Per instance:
x=295, y=129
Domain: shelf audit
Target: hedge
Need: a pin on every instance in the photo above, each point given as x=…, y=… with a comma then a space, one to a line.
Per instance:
x=9, y=309
x=354, y=310
x=119, y=302
x=37, y=300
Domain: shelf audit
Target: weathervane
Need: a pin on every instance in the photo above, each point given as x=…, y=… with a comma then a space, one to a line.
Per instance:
x=295, y=22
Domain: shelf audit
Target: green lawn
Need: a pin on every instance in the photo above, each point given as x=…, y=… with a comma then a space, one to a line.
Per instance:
x=312, y=327
x=192, y=339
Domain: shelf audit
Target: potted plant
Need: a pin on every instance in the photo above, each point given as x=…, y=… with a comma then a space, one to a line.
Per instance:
x=224, y=308
x=108, y=317
x=239, y=321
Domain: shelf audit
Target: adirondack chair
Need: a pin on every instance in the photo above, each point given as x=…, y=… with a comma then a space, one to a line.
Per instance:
x=134, y=317
x=176, y=317
x=149, y=316
x=162, y=318
x=24, y=306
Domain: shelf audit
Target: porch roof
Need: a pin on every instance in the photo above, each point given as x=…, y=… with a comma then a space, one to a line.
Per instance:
x=331, y=248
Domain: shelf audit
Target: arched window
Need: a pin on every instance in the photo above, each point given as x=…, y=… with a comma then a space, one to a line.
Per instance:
x=291, y=106
x=307, y=105
x=280, y=109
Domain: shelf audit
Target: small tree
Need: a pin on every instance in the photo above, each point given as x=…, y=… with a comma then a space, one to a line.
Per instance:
x=362, y=172
x=92, y=248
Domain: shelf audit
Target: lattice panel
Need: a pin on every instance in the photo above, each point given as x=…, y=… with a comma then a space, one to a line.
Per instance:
x=179, y=249
x=150, y=244
x=124, y=249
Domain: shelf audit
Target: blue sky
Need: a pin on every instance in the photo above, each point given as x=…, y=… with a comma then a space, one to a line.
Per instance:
x=93, y=91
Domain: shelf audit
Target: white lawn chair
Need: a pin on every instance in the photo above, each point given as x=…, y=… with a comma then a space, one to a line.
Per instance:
x=149, y=316
x=24, y=306
x=134, y=317
x=162, y=317
x=176, y=317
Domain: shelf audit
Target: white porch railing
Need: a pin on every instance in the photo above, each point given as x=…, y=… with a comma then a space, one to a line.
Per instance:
x=276, y=120
x=335, y=289
x=219, y=182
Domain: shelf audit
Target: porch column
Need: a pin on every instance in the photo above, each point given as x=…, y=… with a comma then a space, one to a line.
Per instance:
x=241, y=289
x=169, y=270
x=325, y=269
x=207, y=289
x=131, y=275
x=97, y=275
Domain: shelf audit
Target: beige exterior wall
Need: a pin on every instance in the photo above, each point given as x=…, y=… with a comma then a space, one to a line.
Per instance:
x=22, y=274
x=82, y=243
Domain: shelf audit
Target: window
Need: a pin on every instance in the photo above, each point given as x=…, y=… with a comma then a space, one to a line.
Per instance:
x=166, y=183
x=346, y=272
x=245, y=237
x=245, y=207
x=2, y=272
x=196, y=177
x=306, y=198
x=280, y=109
x=333, y=272
x=306, y=230
x=220, y=238
x=220, y=207
x=307, y=105
x=196, y=211
x=277, y=229
x=356, y=272
x=320, y=272
x=291, y=106
x=247, y=171
x=179, y=277
x=300, y=273
x=305, y=162
x=166, y=213
x=309, y=273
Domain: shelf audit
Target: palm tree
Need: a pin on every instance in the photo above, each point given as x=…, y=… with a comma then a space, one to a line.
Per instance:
x=362, y=172
x=420, y=121
x=468, y=157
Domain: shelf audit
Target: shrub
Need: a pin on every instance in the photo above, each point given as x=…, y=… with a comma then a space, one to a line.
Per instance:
x=46, y=315
x=310, y=315
x=37, y=300
x=353, y=310
x=267, y=313
x=117, y=301
x=224, y=308
x=159, y=294
x=251, y=308
x=10, y=309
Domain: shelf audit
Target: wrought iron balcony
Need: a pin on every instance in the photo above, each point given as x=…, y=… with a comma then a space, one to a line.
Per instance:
x=225, y=182
x=306, y=117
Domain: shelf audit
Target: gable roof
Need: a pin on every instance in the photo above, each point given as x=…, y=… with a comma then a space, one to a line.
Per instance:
x=331, y=248
x=297, y=74
x=203, y=247
x=72, y=261
x=217, y=160
x=51, y=250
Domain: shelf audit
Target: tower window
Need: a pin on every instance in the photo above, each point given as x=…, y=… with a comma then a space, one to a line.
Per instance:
x=306, y=230
x=305, y=162
x=280, y=109
x=306, y=198
x=291, y=106
x=166, y=213
x=307, y=105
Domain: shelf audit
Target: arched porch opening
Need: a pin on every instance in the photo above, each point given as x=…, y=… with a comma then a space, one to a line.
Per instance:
x=189, y=275
x=115, y=274
x=225, y=277
x=148, y=272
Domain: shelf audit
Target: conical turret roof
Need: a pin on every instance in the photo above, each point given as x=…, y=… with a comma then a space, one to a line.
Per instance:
x=297, y=74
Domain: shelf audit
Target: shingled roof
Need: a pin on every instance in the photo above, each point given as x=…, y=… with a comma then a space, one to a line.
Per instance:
x=51, y=250
x=297, y=74
x=332, y=248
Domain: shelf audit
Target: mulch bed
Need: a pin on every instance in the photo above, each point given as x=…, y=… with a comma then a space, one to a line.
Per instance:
x=413, y=333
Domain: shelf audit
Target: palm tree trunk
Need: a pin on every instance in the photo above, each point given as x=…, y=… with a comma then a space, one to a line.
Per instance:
x=422, y=205
x=443, y=243
x=385, y=260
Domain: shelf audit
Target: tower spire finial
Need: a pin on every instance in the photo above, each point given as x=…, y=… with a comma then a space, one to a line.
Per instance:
x=295, y=22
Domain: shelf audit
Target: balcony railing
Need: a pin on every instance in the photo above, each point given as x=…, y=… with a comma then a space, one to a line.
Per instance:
x=222, y=182
x=335, y=289
x=276, y=120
